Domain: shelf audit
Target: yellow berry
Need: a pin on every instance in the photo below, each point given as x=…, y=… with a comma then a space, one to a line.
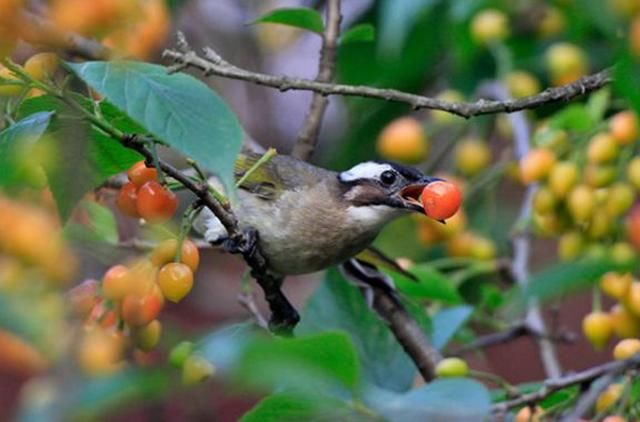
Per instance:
x=489, y=25
x=626, y=348
x=472, y=156
x=452, y=367
x=597, y=328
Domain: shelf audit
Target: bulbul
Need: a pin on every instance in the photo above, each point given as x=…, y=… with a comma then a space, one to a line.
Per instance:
x=309, y=218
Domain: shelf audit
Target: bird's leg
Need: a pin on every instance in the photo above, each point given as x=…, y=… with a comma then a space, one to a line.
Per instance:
x=284, y=316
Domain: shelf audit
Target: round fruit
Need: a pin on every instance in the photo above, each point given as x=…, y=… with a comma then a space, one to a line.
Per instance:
x=127, y=200
x=482, y=248
x=139, y=173
x=599, y=175
x=615, y=284
x=175, y=280
x=614, y=418
x=552, y=22
x=522, y=84
x=625, y=324
x=619, y=199
x=597, y=328
x=140, y=310
x=180, y=353
x=624, y=127
x=623, y=253
x=489, y=25
x=581, y=203
x=403, y=140
x=563, y=177
x=536, y=164
x=100, y=352
x=609, y=397
x=602, y=148
x=544, y=201
x=600, y=225
x=452, y=367
x=526, y=415
x=472, y=156
x=441, y=199
x=564, y=59
x=626, y=348
x=148, y=336
x=116, y=283
x=19, y=356
x=632, y=299
x=196, y=369
x=7, y=86
x=155, y=203
x=42, y=65
x=166, y=252
x=570, y=246
x=633, y=172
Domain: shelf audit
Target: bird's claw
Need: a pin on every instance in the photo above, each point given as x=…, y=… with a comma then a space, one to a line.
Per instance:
x=244, y=245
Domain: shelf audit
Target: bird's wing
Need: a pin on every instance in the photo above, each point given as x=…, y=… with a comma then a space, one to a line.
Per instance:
x=264, y=181
x=377, y=258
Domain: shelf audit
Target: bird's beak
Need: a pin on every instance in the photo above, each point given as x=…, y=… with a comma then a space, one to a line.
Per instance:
x=410, y=194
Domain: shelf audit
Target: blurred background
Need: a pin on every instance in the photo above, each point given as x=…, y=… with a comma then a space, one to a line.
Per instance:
x=455, y=50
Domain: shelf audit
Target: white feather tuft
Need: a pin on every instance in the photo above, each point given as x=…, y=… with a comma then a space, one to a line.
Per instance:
x=366, y=170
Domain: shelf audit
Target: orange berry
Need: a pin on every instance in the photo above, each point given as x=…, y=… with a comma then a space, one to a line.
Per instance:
x=597, y=328
x=20, y=357
x=624, y=127
x=166, y=252
x=626, y=348
x=536, y=165
x=139, y=174
x=526, y=415
x=155, y=203
x=100, y=352
x=403, y=140
x=625, y=324
x=609, y=397
x=127, y=200
x=563, y=177
x=633, y=227
x=602, y=148
x=633, y=172
x=615, y=284
x=175, y=280
x=140, y=310
x=472, y=156
x=42, y=65
x=116, y=283
x=632, y=298
x=441, y=199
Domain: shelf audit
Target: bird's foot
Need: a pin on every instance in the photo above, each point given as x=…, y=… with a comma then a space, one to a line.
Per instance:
x=245, y=245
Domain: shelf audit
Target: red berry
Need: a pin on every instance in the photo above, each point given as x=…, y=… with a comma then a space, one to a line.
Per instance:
x=441, y=199
x=139, y=173
x=127, y=200
x=155, y=203
x=140, y=310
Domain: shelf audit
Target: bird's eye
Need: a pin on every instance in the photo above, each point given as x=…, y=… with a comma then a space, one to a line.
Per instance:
x=388, y=177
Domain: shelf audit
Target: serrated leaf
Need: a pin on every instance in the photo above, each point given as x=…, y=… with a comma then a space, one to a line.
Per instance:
x=431, y=284
x=364, y=32
x=456, y=399
x=301, y=17
x=177, y=109
x=336, y=304
x=446, y=323
x=16, y=141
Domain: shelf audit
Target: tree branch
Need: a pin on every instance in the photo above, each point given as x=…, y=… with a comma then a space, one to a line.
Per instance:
x=308, y=136
x=213, y=64
x=552, y=385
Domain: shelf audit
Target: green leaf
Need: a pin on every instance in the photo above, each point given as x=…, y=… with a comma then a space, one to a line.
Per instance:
x=566, y=278
x=16, y=142
x=288, y=407
x=302, y=17
x=598, y=104
x=177, y=109
x=364, y=32
x=432, y=284
x=575, y=117
x=336, y=304
x=456, y=399
x=397, y=19
x=626, y=79
x=446, y=323
x=321, y=362
x=101, y=222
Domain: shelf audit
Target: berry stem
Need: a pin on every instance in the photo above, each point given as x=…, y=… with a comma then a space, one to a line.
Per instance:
x=189, y=215
x=271, y=152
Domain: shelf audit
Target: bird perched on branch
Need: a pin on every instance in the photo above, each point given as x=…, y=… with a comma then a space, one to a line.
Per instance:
x=308, y=218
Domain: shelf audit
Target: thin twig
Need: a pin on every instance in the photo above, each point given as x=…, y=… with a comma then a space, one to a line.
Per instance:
x=271, y=152
x=521, y=240
x=554, y=384
x=308, y=136
x=213, y=64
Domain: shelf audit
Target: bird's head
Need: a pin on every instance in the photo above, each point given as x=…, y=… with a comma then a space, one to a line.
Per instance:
x=383, y=190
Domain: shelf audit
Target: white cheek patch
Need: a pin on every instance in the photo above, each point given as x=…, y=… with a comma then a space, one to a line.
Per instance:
x=367, y=170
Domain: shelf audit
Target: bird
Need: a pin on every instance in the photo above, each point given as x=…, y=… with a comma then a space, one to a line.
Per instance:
x=309, y=218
